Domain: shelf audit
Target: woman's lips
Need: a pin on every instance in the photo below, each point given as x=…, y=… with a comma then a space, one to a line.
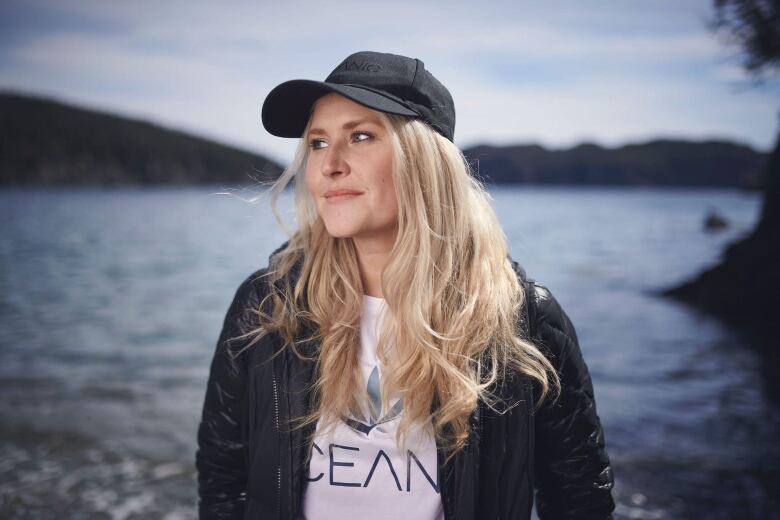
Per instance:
x=341, y=195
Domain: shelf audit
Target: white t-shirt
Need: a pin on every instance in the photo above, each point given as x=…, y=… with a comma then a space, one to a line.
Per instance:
x=359, y=472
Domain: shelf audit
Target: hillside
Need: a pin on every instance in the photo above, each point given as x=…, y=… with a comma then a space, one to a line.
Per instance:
x=45, y=142
x=654, y=163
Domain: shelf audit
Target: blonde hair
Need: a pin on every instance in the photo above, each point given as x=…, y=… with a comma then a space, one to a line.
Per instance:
x=452, y=298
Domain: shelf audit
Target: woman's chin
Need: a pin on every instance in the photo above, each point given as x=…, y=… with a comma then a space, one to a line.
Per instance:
x=340, y=231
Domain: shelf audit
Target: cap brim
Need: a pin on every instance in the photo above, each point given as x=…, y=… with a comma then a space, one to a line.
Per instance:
x=287, y=107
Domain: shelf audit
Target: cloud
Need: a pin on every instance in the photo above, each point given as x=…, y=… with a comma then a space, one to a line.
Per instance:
x=609, y=71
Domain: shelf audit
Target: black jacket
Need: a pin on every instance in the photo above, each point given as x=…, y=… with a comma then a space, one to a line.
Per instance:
x=250, y=467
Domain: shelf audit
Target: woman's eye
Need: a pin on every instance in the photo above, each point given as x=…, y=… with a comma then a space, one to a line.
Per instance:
x=318, y=144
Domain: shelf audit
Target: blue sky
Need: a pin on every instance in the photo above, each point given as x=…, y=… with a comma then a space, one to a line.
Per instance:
x=555, y=73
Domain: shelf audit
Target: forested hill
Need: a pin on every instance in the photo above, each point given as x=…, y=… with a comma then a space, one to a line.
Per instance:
x=654, y=163
x=45, y=142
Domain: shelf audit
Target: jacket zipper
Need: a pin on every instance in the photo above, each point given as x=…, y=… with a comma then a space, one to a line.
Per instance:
x=443, y=472
x=443, y=494
x=279, y=467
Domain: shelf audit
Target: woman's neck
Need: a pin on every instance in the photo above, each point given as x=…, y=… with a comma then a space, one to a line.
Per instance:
x=372, y=259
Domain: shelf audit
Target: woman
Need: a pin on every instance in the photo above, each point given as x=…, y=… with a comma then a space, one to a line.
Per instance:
x=392, y=360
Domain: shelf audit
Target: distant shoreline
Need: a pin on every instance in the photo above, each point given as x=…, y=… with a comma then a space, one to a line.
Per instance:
x=44, y=142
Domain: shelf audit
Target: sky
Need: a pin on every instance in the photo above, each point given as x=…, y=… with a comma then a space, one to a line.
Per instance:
x=556, y=73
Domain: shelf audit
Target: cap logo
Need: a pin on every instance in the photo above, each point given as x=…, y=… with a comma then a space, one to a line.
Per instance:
x=361, y=65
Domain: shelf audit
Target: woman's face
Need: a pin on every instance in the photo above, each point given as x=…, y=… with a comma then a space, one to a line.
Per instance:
x=349, y=171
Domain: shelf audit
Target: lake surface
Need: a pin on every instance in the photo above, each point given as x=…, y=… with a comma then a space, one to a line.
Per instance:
x=111, y=302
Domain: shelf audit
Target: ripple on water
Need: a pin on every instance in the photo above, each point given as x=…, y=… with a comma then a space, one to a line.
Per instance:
x=61, y=474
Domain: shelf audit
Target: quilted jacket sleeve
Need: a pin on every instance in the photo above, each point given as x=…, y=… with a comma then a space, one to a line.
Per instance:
x=573, y=475
x=221, y=457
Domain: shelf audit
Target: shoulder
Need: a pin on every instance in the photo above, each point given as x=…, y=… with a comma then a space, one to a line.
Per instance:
x=549, y=325
x=247, y=300
x=253, y=286
x=549, y=313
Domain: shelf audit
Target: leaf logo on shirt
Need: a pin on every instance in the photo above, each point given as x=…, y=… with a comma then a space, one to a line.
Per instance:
x=365, y=425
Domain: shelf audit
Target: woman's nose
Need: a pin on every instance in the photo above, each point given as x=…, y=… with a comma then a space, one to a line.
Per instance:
x=334, y=162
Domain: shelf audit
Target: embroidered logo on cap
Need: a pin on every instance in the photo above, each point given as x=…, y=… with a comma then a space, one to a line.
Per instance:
x=360, y=65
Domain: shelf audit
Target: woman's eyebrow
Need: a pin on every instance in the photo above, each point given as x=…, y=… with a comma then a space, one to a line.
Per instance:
x=347, y=125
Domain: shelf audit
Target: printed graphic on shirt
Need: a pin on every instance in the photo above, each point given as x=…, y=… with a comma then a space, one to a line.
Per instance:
x=357, y=470
x=346, y=457
x=383, y=459
x=365, y=425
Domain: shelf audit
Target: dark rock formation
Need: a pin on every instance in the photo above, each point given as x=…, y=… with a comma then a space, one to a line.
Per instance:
x=744, y=289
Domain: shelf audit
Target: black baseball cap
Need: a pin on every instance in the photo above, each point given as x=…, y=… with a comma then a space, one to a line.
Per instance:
x=386, y=82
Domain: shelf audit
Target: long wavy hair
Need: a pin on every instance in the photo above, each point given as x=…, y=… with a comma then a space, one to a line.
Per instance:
x=452, y=299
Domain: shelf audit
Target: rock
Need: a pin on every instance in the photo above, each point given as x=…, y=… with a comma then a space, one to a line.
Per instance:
x=714, y=221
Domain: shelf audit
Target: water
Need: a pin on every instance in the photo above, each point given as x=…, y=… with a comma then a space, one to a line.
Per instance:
x=111, y=302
